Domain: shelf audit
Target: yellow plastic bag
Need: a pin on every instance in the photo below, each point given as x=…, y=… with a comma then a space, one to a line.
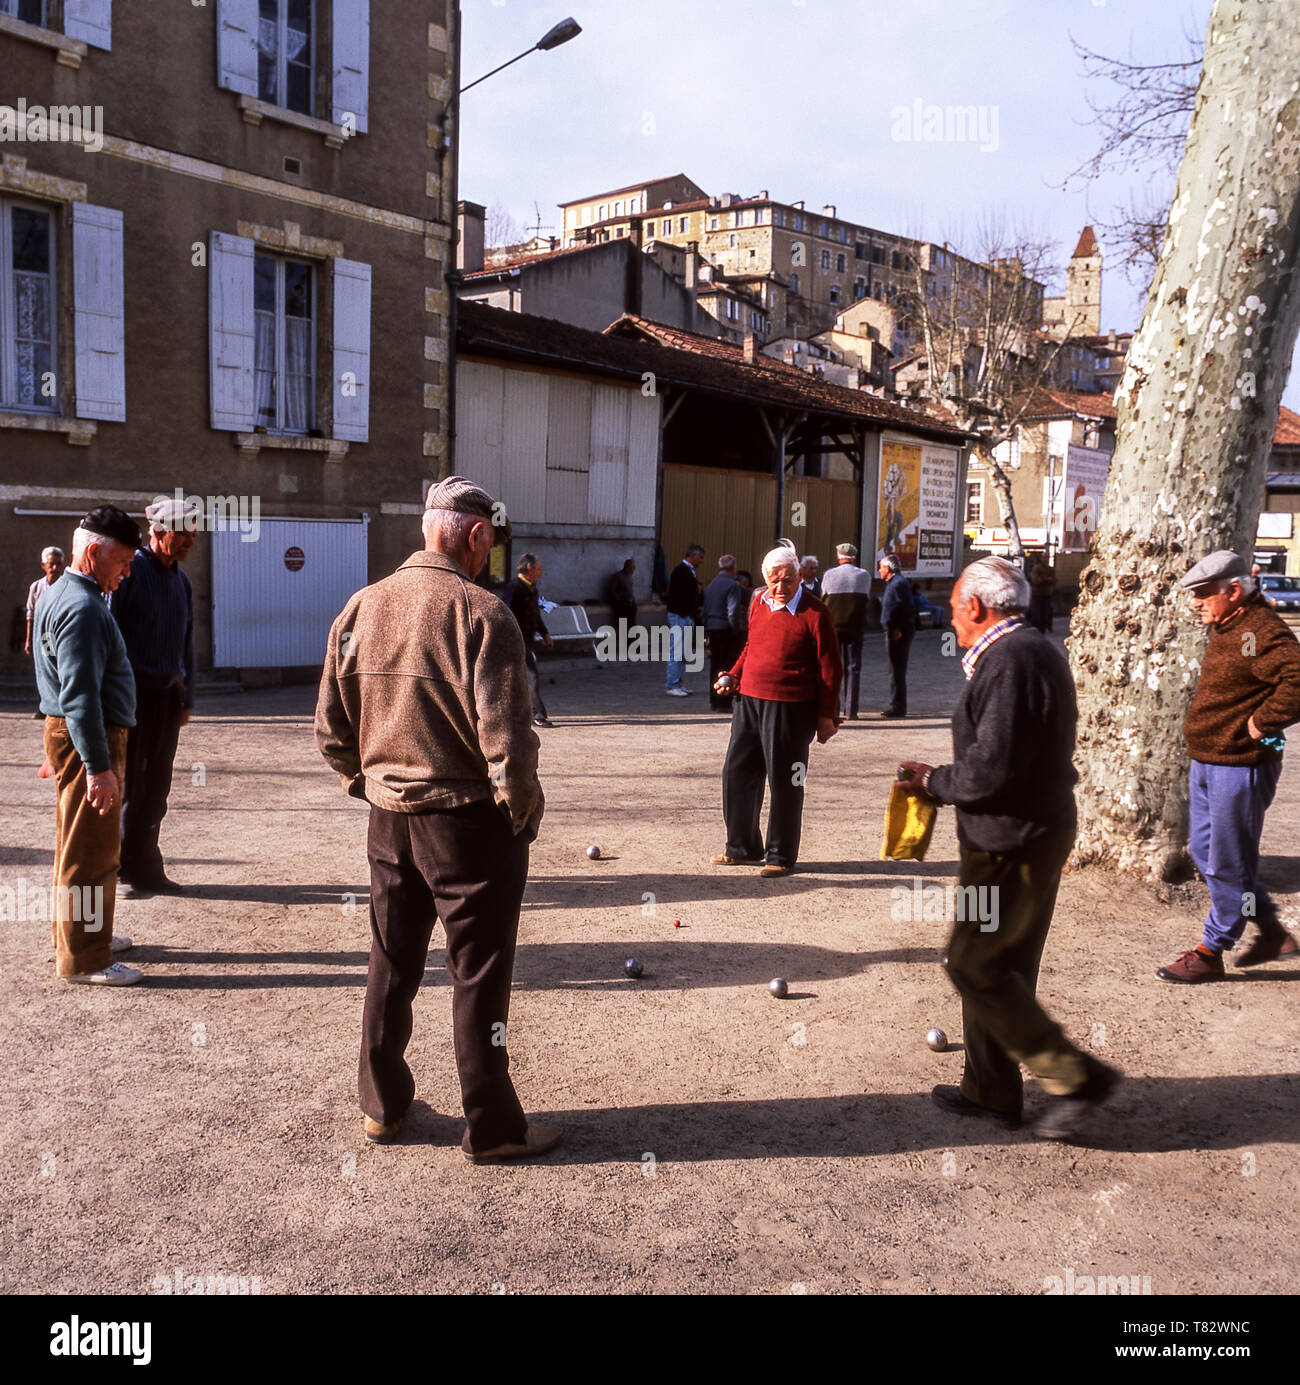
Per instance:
x=909, y=825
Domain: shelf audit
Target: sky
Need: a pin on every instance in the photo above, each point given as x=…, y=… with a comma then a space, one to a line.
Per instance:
x=811, y=99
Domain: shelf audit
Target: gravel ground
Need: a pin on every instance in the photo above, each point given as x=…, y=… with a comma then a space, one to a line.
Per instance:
x=205, y=1123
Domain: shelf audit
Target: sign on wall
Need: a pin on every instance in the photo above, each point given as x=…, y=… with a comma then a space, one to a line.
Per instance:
x=1084, y=487
x=916, y=515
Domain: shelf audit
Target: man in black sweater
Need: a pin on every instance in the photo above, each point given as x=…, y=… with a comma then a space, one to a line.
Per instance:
x=685, y=594
x=898, y=616
x=1012, y=783
x=523, y=598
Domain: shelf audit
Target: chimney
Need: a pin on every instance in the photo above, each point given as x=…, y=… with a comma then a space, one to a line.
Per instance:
x=828, y=210
x=798, y=206
x=726, y=199
x=762, y=196
x=472, y=232
x=636, y=268
x=751, y=348
x=693, y=269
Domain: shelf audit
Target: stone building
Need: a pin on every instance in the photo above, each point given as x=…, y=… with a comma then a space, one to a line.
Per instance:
x=235, y=286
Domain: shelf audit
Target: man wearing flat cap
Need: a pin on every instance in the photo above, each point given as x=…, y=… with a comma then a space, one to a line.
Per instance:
x=846, y=590
x=1247, y=695
x=424, y=712
x=154, y=608
x=88, y=698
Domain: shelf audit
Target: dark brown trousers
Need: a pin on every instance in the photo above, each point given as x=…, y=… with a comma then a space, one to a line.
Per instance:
x=465, y=867
x=996, y=973
x=87, y=846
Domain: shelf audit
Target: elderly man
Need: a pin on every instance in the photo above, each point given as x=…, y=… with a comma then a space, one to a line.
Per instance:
x=524, y=600
x=684, y=595
x=787, y=686
x=622, y=594
x=52, y=564
x=88, y=697
x=846, y=591
x=424, y=713
x=898, y=617
x=1012, y=783
x=1247, y=695
x=809, y=575
x=154, y=608
x=725, y=605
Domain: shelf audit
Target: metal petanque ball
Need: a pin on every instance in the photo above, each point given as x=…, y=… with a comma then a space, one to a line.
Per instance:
x=593, y=853
x=937, y=1040
x=633, y=968
x=779, y=987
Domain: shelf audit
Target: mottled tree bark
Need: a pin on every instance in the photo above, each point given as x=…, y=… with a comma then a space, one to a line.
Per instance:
x=1197, y=413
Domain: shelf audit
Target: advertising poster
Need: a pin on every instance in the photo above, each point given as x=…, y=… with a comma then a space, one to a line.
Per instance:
x=1084, y=487
x=917, y=507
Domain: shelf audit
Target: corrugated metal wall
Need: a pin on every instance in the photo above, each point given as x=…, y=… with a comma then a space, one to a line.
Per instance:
x=266, y=615
x=831, y=514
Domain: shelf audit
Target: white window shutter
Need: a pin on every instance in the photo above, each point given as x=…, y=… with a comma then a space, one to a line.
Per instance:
x=237, y=45
x=351, y=351
x=233, y=343
x=98, y=298
x=91, y=21
x=350, y=93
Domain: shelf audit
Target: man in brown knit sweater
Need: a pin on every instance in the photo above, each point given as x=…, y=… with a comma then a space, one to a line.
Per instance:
x=1248, y=694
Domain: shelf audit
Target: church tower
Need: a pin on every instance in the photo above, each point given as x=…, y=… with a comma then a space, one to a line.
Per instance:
x=1083, y=286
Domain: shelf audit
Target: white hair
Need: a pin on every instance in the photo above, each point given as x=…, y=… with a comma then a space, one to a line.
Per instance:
x=892, y=563
x=1000, y=585
x=51, y=552
x=453, y=526
x=783, y=555
x=810, y=559
x=1249, y=586
x=81, y=540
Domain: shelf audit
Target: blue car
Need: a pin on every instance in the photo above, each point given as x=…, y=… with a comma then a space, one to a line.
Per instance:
x=1282, y=593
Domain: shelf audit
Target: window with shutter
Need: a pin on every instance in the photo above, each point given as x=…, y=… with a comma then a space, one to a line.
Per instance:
x=232, y=347
x=98, y=297
x=237, y=45
x=350, y=78
x=351, y=350
x=28, y=359
x=91, y=21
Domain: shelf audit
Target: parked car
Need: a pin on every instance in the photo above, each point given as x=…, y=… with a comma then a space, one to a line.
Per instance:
x=1282, y=593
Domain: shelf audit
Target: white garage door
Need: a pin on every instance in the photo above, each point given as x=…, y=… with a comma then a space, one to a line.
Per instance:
x=274, y=600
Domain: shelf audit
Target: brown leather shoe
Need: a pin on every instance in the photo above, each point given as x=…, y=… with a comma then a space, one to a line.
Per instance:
x=1266, y=949
x=538, y=1139
x=379, y=1134
x=735, y=861
x=774, y=872
x=1192, y=967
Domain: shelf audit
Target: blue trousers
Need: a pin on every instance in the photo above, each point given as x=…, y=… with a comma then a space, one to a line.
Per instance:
x=1228, y=803
x=677, y=667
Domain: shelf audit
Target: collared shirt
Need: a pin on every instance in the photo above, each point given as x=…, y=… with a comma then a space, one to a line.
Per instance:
x=38, y=589
x=792, y=605
x=991, y=636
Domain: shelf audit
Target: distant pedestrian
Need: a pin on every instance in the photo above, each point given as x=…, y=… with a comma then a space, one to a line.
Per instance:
x=154, y=608
x=524, y=600
x=898, y=617
x=685, y=595
x=809, y=575
x=1042, y=584
x=621, y=594
x=724, y=613
x=846, y=591
x=424, y=712
x=52, y=564
x=787, y=684
x=88, y=697
x=1247, y=695
x=1012, y=782
x=745, y=581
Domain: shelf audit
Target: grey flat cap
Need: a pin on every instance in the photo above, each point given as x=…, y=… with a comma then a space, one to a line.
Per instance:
x=845, y=550
x=1217, y=567
x=174, y=512
x=460, y=494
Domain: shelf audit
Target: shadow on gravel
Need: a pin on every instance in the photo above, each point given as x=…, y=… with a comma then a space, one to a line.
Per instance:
x=1280, y=873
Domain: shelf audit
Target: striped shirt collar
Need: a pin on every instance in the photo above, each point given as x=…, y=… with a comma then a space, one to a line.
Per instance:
x=792, y=605
x=991, y=636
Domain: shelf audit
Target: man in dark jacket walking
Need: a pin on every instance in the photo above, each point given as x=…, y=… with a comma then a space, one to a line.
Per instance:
x=725, y=608
x=1012, y=783
x=1247, y=695
x=684, y=596
x=898, y=617
x=522, y=597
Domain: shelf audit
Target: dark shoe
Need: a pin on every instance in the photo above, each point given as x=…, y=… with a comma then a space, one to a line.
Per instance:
x=892, y=716
x=128, y=889
x=1065, y=1115
x=1192, y=967
x=1273, y=948
x=950, y=1099
x=544, y=721
x=160, y=884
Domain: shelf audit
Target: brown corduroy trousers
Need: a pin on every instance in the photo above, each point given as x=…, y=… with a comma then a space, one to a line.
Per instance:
x=465, y=867
x=87, y=848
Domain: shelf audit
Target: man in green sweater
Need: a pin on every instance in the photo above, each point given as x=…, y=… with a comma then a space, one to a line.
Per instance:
x=88, y=697
x=1247, y=695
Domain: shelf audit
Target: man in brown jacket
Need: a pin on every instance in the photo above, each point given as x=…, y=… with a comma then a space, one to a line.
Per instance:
x=1248, y=693
x=424, y=712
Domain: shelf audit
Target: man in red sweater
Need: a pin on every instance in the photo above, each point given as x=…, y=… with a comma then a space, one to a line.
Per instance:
x=787, y=686
x=1247, y=695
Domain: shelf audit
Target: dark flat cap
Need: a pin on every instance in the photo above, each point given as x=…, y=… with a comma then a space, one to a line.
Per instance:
x=111, y=523
x=1216, y=567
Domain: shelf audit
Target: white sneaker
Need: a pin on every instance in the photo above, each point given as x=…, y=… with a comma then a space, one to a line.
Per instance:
x=114, y=975
x=678, y=692
x=120, y=943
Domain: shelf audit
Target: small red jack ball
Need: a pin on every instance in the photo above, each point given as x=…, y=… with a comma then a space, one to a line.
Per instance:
x=677, y=923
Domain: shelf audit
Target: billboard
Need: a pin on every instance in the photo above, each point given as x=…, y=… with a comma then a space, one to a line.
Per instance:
x=1082, y=490
x=916, y=513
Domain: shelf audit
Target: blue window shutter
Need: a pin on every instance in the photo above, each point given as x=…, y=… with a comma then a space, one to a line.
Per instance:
x=233, y=343
x=98, y=298
x=351, y=351
x=91, y=21
x=237, y=45
x=350, y=92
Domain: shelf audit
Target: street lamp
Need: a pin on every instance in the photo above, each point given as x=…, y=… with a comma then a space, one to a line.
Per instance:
x=561, y=33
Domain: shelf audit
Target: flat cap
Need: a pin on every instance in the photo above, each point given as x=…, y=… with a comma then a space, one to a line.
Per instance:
x=174, y=512
x=111, y=523
x=460, y=494
x=1217, y=567
x=845, y=550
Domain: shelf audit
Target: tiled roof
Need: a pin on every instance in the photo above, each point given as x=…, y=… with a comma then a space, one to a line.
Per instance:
x=1288, y=429
x=699, y=363
x=1046, y=403
x=631, y=187
x=1087, y=245
x=535, y=257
